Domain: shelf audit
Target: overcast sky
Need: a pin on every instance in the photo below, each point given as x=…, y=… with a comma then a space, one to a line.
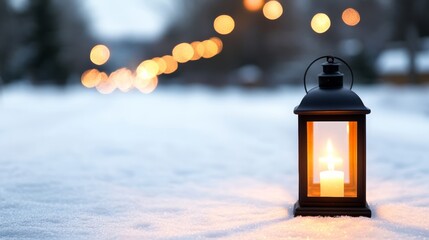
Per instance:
x=118, y=19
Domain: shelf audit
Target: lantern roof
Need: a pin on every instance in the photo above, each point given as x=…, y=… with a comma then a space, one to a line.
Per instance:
x=334, y=100
x=331, y=97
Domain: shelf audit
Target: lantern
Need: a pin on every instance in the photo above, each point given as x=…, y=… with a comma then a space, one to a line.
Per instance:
x=332, y=147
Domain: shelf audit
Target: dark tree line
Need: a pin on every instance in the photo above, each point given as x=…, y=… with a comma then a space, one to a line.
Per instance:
x=46, y=41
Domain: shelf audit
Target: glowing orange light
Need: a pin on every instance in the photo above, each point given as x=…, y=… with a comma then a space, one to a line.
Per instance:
x=123, y=79
x=171, y=64
x=162, y=65
x=105, y=86
x=272, y=10
x=99, y=54
x=141, y=83
x=210, y=49
x=183, y=52
x=90, y=78
x=224, y=24
x=198, y=50
x=320, y=23
x=218, y=42
x=351, y=17
x=253, y=5
x=149, y=86
x=147, y=69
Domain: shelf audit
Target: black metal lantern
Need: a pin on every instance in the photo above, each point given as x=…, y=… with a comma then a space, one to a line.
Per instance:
x=332, y=147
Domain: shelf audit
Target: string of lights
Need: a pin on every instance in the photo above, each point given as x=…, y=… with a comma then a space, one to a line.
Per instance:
x=145, y=77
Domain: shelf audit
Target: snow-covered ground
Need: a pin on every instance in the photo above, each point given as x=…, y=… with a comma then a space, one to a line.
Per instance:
x=195, y=163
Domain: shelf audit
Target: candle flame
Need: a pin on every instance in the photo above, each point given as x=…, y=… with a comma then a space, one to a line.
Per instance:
x=330, y=159
x=329, y=147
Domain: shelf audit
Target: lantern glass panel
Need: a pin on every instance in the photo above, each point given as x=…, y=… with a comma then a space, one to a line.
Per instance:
x=332, y=158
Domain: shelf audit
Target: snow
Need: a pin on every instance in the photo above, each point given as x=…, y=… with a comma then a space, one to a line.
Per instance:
x=397, y=61
x=393, y=61
x=196, y=163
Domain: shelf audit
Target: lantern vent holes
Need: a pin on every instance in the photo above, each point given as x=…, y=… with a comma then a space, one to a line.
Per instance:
x=335, y=66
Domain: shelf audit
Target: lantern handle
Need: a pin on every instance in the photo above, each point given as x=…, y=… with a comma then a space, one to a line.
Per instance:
x=329, y=59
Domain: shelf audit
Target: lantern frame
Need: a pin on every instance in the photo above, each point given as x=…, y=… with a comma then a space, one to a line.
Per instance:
x=331, y=102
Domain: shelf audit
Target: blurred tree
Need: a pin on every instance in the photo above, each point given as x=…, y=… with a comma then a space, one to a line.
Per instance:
x=58, y=40
x=45, y=64
x=410, y=19
x=9, y=40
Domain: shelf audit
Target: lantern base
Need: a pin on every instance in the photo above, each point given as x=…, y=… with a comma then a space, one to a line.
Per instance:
x=332, y=211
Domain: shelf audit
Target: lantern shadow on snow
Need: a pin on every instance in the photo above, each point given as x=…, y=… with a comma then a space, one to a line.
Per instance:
x=332, y=147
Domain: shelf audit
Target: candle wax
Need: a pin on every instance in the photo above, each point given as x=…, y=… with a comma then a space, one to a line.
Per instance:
x=332, y=183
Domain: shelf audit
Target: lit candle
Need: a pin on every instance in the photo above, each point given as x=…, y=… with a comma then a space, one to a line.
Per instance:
x=331, y=181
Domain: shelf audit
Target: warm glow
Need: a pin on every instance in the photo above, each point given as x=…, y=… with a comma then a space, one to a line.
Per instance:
x=90, y=78
x=330, y=160
x=99, y=54
x=218, y=42
x=320, y=23
x=147, y=69
x=147, y=86
x=171, y=64
x=183, y=52
x=106, y=85
x=198, y=50
x=272, y=10
x=141, y=83
x=162, y=65
x=123, y=78
x=210, y=49
x=224, y=24
x=253, y=5
x=351, y=17
x=331, y=180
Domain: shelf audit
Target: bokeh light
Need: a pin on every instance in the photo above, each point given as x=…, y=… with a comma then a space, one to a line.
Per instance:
x=218, y=42
x=162, y=65
x=351, y=17
x=171, y=64
x=123, y=79
x=141, y=83
x=320, y=23
x=198, y=50
x=90, y=78
x=147, y=69
x=224, y=24
x=105, y=86
x=272, y=10
x=183, y=52
x=100, y=54
x=253, y=5
x=149, y=86
x=210, y=49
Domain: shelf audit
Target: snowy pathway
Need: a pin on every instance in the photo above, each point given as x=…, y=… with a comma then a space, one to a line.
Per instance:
x=194, y=163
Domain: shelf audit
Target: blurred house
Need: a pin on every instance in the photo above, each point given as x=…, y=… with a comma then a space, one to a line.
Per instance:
x=394, y=64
